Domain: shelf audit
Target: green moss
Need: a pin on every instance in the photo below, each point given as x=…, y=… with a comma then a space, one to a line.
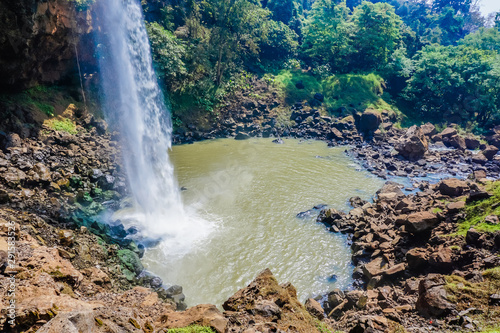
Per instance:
x=191, y=329
x=61, y=124
x=477, y=211
x=130, y=261
x=437, y=210
x=98, y=322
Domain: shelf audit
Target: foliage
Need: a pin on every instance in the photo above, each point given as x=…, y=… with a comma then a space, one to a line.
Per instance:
x=168, y=54
x=484, y=39
x=343, y=93
x=280, y=42
x=191, y=329
x=377, y=34
x=327, y=35
x=460, y=82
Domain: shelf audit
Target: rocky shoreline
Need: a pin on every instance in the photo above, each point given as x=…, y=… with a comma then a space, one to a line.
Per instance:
x=415, y=262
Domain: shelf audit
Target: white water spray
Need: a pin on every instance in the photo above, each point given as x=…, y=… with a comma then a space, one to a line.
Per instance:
x=135, y=102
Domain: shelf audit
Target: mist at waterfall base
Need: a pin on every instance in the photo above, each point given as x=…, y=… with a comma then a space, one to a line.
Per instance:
x=133, y=101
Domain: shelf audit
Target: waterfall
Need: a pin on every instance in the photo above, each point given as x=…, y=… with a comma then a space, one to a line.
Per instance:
x=134, y=101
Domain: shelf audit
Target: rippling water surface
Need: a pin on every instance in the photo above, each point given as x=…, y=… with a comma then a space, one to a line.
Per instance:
x=251, y=191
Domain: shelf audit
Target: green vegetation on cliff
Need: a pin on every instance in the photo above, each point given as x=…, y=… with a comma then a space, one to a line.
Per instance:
x=433, y=61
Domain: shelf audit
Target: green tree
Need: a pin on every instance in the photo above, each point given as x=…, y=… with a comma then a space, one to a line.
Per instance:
x=455, y=82
x=328, y=34
x=279, y=43
x=484, y=39
x=377, y=34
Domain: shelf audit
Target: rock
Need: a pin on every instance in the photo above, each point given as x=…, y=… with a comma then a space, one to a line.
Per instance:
x=66, y=237
x=413, y=144
x=13, y=141
x=319, y=97
x=203, y=314
x=369, y=121
x=395, y=270
x=13, y=177
x=299, y=85
x=314, y=308
x=421, y=221
x=458, y=142
x=479, y=158
x=264, y=301
x=453, y=187
x=471, y=142
x=477, y=195
x=242, y=136
x=432, y=297
x=448, y=132
x=375, y=267
x=391, y=191
x=416, y=258
x=428, y=129
x=491, y=219
x=130, y=261
x=41, y=173
x=490, y=152
x=454, y=207
x=472, y=236
x=441, y=259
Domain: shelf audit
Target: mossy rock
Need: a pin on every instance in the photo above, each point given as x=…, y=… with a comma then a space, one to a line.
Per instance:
x=130, y=260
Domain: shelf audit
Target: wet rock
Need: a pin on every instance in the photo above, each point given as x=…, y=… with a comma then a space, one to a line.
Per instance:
x=391, y=191
x=13, y=141
x=448, y=132
x=453, y=187
x=432, y=297
x=413, y=145
x=375, y=267
x=13, y=176
x=66, y=237
x=41, y=173
x=421, y=221
x=479, y=158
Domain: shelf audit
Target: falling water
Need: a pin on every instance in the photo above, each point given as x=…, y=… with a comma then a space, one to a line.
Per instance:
x=134, y=101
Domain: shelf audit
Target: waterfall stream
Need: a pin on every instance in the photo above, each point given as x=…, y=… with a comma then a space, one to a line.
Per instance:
x=134, y=101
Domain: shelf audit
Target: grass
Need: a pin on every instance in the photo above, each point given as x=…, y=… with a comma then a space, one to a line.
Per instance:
x=350, y=91
x=476, y=212
x=191, y=329
x=61, y=124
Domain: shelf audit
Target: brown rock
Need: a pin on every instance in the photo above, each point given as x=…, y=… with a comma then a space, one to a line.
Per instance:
x=395, y=270
x=369, y=121
x=453, y=187
x=448, y=132
x=479, y=158
x=457, y=142
x=490, y=152
x=454, y=207
x=432, y=297
x=428, y=129
x=203, y=314
x=413, y=145
x=416, y=258
x=374, y=267
x=314, y=308
x=471, y=142
x=41, y=173
x=421, y=221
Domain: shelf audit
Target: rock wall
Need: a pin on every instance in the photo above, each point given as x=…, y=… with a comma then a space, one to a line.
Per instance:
x=37, y=41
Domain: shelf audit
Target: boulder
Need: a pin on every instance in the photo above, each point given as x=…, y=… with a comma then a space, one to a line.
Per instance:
x=448, y=132
x=203, y=314
x=454, y=207
x=413, y=144
x=416, y=258
x=391, y=191
x=458, y=142
x=13, y=141
x=428, y=129
x=375, y=267
x=41, y=173
x=453, y=187
x=369, y=121
x=242, y=136
x=472, y=236
x=421, y=221
x=479, y=158
x=314, y=308
x=319, y=97
x=471, y=142
x=432, y=297
x=490, y=152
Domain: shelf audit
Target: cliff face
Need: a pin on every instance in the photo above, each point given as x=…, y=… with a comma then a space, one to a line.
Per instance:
x=37, y=41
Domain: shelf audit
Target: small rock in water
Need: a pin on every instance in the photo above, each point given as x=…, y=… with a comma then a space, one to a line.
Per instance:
x=278, y=141
x=183, y=188
x=332, y=278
